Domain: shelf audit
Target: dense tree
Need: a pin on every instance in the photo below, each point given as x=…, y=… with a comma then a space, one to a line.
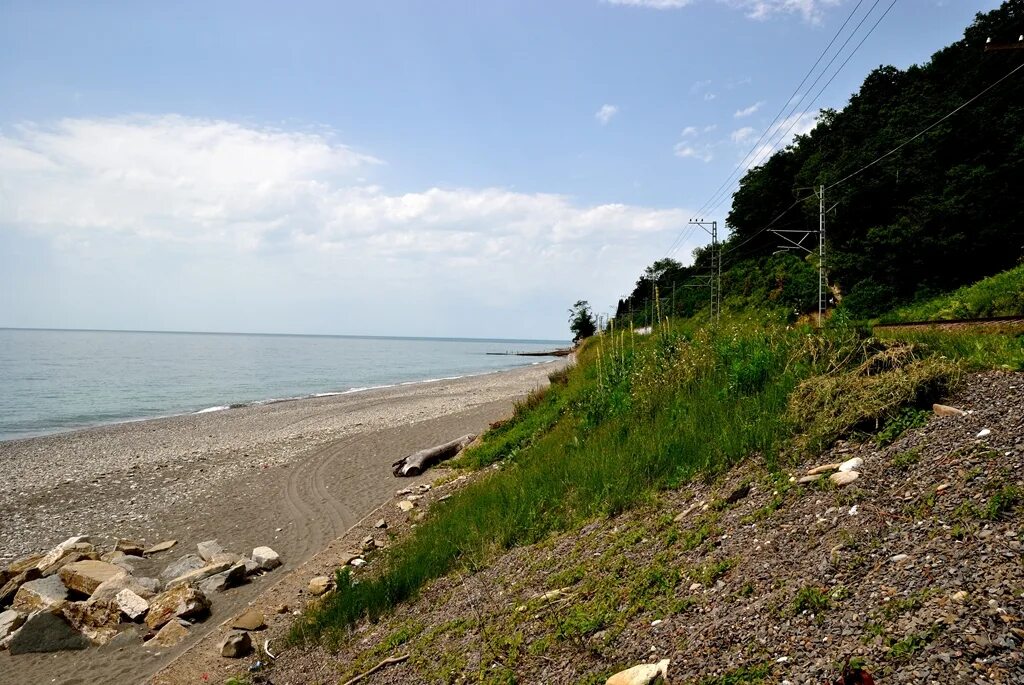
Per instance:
x=581, y=321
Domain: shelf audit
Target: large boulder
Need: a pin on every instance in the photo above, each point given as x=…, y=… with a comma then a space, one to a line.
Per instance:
x=23, y=564
x=171, y=634
x=47, y=631
x=224, y=580
x=129, y=547
x=183, y=601
x=59, y=551
x=10, y=588
x=45, y=593
x=86, y=576
x=108, y=589
x=189, y=562
x=198, y=574
x=208, y=549
x=130, y=604
x=10, y=621
x=99, y=622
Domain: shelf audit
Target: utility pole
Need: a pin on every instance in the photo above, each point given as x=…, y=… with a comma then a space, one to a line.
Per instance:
x=715, y=279
x=799, y=244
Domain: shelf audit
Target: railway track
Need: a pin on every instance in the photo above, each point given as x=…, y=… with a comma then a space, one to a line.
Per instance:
x=995, y=324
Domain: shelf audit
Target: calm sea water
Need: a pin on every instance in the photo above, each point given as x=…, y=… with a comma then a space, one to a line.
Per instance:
x=52, y=381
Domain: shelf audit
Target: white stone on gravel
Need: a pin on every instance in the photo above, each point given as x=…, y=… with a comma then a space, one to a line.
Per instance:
x=130, y=604
x=267, y=558
x=851, y=464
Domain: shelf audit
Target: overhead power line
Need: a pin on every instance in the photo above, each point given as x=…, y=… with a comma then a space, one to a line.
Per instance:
x=786, y=103
x=776, y=139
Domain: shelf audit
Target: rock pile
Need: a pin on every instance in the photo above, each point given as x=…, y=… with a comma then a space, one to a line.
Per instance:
x=78, y=594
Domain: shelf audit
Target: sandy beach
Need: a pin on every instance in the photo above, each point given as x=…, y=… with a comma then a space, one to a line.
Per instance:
x=293, y=475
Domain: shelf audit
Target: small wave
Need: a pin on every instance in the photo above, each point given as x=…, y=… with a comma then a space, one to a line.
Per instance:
x=220, y=407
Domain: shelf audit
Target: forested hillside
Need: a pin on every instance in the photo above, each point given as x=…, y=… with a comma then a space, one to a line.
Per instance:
x=943, y=210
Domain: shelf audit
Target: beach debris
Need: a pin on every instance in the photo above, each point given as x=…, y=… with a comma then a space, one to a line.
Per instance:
x=171, y=634
x=946, y=410
x=46, y=631
x=643, y=674
x=842, y=478
x=131, y=605
x=44, y=593
x=267, y=558
x=160, y=547
x=198, y=574
x=386, y=662
x=236, y=645
x=129, y=547
x=381, y=523
x=98, y=622
x=851, y=464
x=406, y=506
x=250, y=619
x=86, y=576
x=319, y=585
x=183, y=601
x=418, y=462
x=189, y=562
x=266, y=649
x=209, y=549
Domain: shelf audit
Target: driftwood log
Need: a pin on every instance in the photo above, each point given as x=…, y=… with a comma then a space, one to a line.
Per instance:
x=418, y=462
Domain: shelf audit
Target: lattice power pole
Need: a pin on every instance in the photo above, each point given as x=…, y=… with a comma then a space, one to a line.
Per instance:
x=799, y=244
x=715, y=279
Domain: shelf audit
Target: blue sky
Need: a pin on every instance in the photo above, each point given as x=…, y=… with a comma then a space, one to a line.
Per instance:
x=420, y=168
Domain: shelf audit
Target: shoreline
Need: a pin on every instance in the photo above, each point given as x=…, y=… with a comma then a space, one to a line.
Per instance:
x=262, y=402
x=293, y=475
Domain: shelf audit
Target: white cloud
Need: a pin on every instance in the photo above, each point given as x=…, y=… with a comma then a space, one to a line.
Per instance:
x=605, y=114
x=698, y=86
x=689, y=131
x=202, y=198
x=747, y=111
x=708, y=97
x=742, y=135
x=688, y=151
x=810, y=11
x=653, y=4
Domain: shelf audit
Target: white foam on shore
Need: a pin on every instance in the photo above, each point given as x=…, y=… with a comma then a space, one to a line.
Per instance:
x=220, y=407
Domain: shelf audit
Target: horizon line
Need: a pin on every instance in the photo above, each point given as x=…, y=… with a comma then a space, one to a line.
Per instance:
x=283, y=335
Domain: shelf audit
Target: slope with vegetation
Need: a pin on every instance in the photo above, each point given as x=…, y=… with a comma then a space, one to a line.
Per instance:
x=650, y=483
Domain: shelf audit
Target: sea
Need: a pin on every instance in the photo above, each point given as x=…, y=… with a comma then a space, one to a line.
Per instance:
x=53, y=381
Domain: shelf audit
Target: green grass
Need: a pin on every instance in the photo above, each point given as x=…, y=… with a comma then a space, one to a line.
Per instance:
x=812, y=600
x=974, y=351
x=636, y=415
x=999, y=295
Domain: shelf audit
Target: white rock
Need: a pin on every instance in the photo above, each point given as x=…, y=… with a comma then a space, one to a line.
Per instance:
x=897, y=558
x=644, y=674
x=57, y=552
x=130, y=604
x=984, y=432
x=267, y=558
x=851, y=464
x=10, y=621
x=844, y=477
x=358, y=562
x=405, y=505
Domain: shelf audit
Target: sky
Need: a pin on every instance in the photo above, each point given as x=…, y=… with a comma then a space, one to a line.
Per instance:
x=396, y=167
